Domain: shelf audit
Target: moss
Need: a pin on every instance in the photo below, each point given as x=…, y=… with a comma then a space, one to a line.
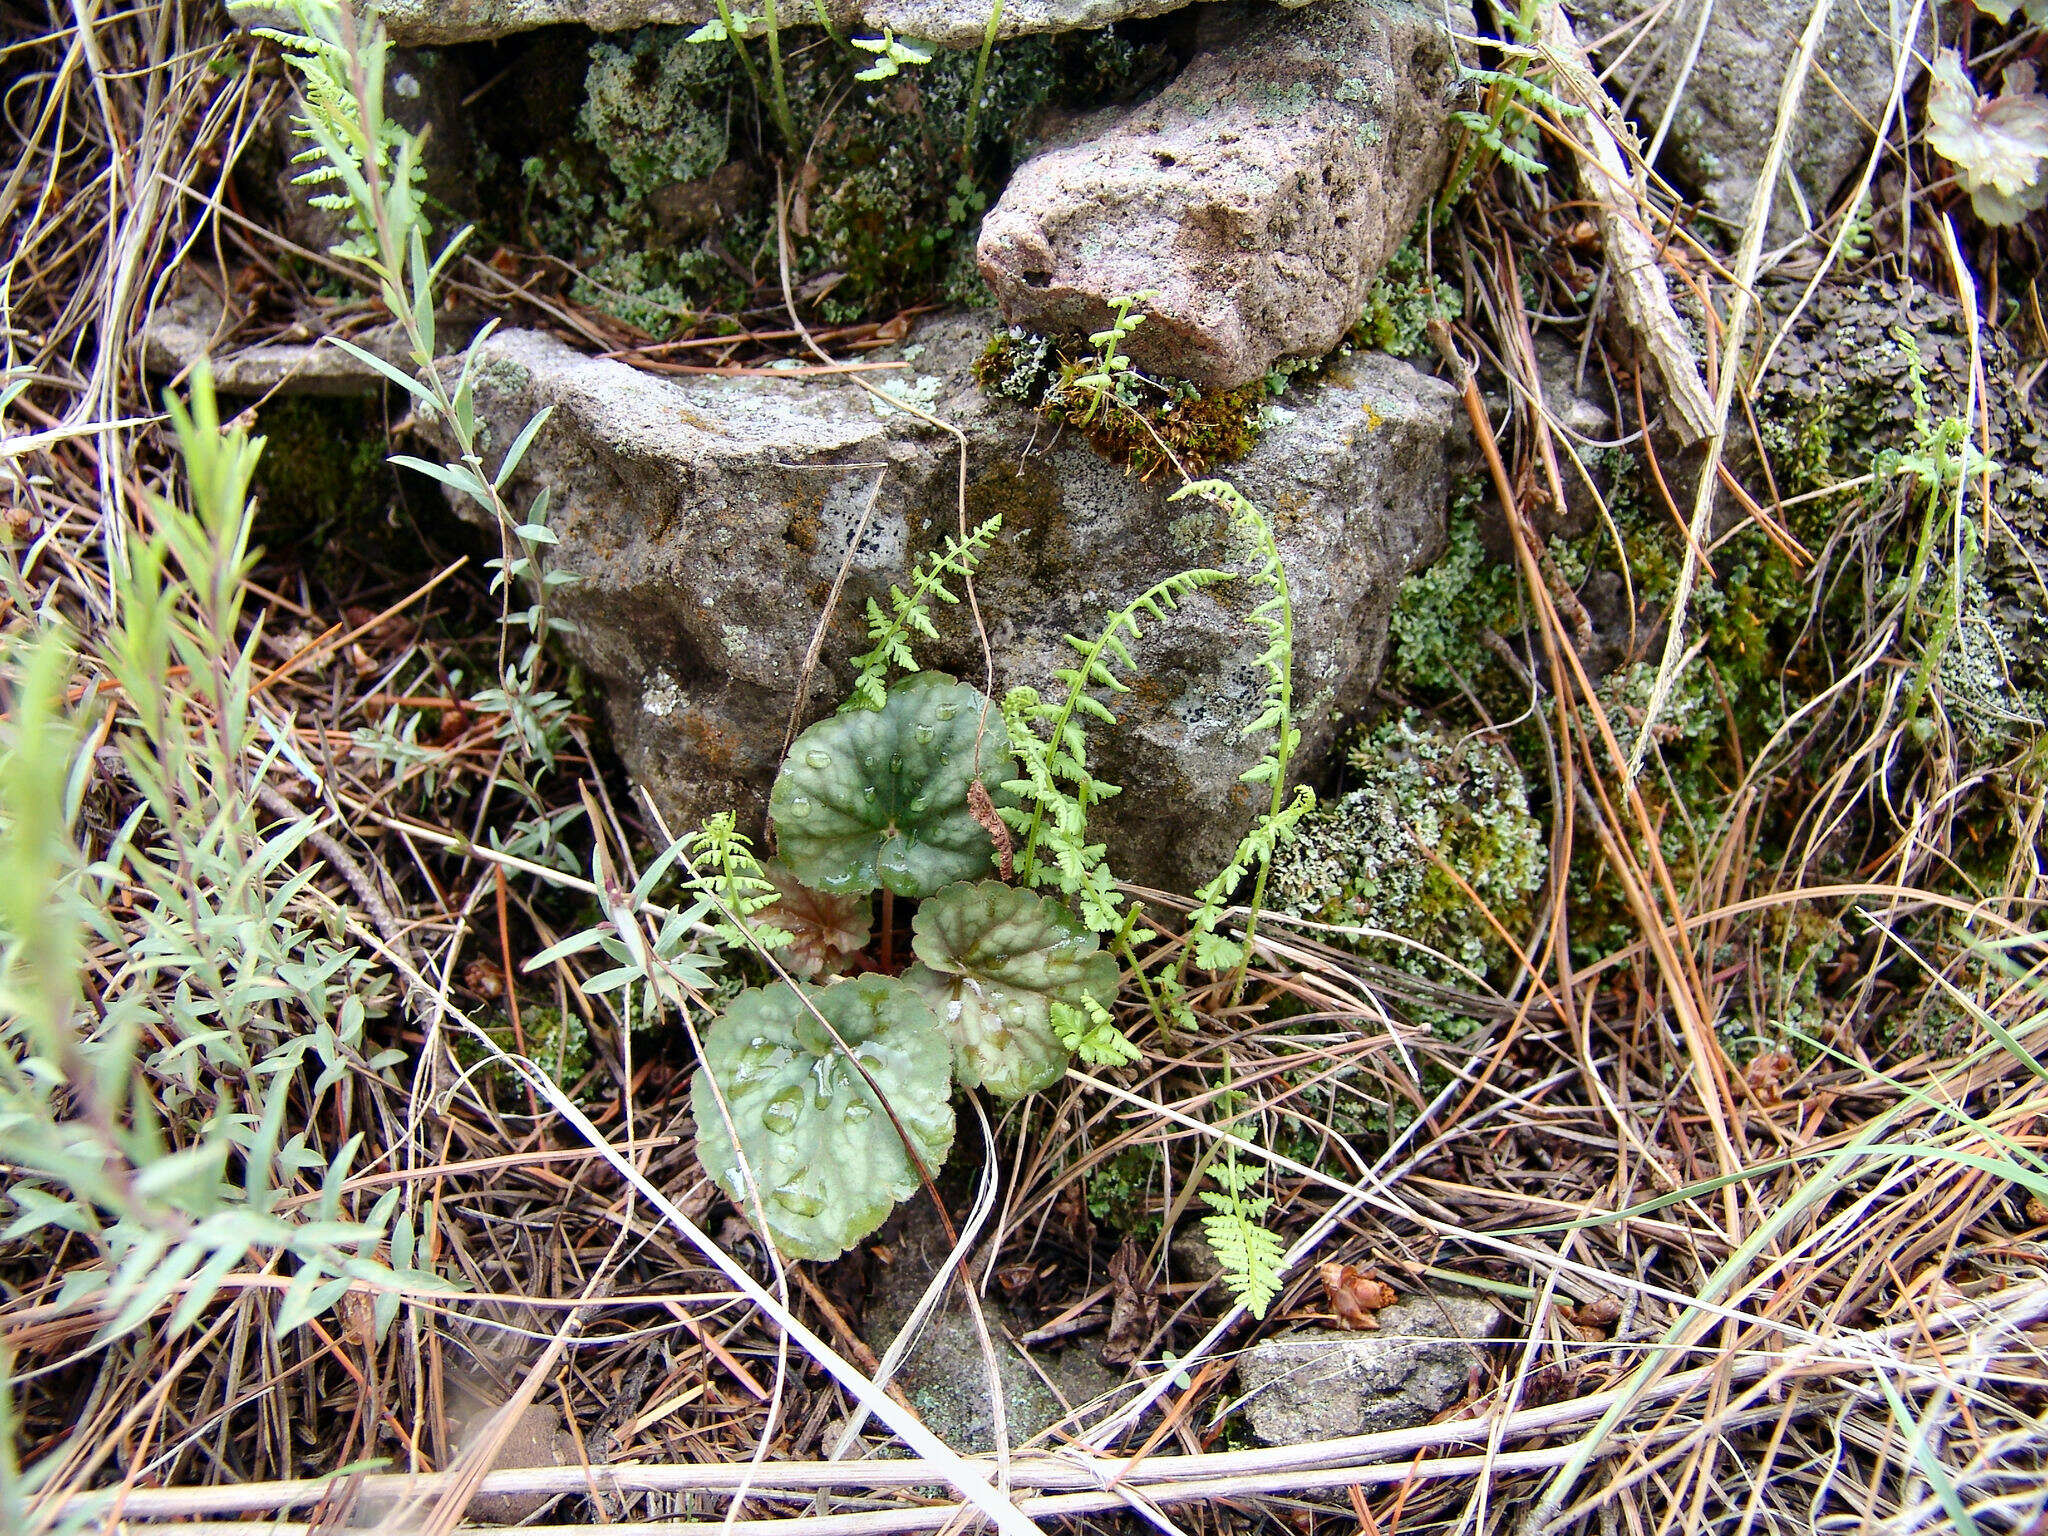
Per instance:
x=661, y=194
x=1151, y=423
x=1442, y=615
x=323, y=488
x=1364, y=859
x=1120, y=1191
x=1402, y=301
x=556, y=1043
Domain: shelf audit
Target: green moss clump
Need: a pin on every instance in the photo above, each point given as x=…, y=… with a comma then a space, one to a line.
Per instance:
x=557, y=1043
x=1359, y=861
x=1442, y=615
x=1120, y=1191
x=1149, y=424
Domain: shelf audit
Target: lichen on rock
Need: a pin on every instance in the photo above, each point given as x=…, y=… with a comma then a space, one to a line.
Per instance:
x=1381, y=856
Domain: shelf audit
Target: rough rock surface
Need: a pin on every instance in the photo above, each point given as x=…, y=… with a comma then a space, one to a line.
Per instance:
x=1321, y=1383
x=1258, y=195
x=945, y=1375
x=708, y=519
x=470, y=21
x=195, y=324
x=952, y=23
x=1728, y=106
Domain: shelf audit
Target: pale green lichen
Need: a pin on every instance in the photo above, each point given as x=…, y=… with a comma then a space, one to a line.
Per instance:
x=1365, y=859
x=1403, y=299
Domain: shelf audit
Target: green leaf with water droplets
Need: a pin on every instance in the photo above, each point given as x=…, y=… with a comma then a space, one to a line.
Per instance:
x=994, y=962
x=827, y=1159
x=879, y=797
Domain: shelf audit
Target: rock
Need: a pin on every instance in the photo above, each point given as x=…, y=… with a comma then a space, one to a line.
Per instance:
x=945, y=1376
x=963, y=23
x=1321, y=1384
x=472, y=21
x=1258, y=195
x=1842, y=388
x=950, y=23
x=194, y=325
x=707, y=519
x=537, y=1438
x=1728, y=107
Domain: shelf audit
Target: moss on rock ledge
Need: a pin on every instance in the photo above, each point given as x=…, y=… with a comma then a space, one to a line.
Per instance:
x=1381, y=856
x=1148, y=425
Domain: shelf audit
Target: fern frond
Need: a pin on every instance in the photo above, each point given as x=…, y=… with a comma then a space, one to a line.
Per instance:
x=1057, y=788
x=1252, y=1256
x=911, y=613
x=1091, y=1033
x=1274, y=615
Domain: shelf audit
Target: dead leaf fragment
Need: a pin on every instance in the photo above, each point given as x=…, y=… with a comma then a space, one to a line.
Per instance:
x=1766, y=1075
x=1593, y=1317
x=1134, y=1313
x=983, y=809
x=1354, y=1294
x=484, y=978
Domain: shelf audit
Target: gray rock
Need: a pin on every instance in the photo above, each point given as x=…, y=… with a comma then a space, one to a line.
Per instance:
x=1728, y=106
x=1258, y=195
x=1321, y=1384
x=708, y=518
x=950, y=23
x=470, y=21
x=194, y=325
x=945, y=1375
x=963, y=23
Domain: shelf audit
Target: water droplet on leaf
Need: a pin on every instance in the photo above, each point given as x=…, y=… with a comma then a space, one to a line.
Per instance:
x=794, y=1198
x=924, y=735
x=780, y=1115
x=799, y=806
x=818, y=757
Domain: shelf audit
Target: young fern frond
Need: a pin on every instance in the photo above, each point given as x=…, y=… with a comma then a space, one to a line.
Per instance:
x=910, y=613
x=1275, y=616
x=1090, y=1032
x=727, y=871
x=1056, y=791
x=1252, y=1257
x=341, y=150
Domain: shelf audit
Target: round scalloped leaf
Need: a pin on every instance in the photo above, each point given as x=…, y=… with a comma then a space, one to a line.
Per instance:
x=994, y=961
x=829, y=1162
x=879, y=797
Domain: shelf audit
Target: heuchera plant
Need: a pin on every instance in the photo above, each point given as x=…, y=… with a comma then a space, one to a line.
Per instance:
x=824, y=1158
x=875, y=798
x=820, y=1107
x=994, y=962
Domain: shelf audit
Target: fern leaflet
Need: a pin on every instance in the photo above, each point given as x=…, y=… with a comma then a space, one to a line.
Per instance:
x=1251, y=1256
x=910, y=613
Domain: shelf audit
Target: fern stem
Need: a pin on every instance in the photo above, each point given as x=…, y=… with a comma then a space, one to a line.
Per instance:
x=785, y=121
x=988, y=43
